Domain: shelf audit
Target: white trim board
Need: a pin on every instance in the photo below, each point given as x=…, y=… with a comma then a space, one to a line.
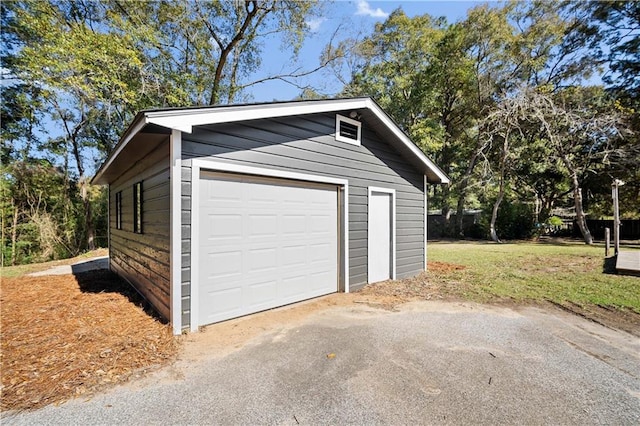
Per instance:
x=426, y=218
x=392, y=192
x=198, y=165
x=175, y=230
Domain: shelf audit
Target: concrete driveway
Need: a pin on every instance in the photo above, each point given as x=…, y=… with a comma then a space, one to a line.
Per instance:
x=428, y=363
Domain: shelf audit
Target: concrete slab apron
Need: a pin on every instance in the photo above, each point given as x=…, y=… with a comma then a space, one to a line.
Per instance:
x=430, y=363
x=92, y=264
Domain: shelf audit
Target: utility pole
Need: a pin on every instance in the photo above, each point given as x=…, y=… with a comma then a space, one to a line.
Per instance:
x=616, y=215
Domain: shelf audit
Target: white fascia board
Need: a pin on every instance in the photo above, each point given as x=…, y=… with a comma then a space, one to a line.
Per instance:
x=185, y=120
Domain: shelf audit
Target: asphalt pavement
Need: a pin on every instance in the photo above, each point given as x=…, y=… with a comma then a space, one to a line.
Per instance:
x=428, y=363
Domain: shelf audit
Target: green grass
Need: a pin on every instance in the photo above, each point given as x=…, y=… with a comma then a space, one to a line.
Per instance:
x=534, y=272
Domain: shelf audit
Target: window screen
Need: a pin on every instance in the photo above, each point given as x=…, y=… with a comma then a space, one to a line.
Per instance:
x=137, y=208
x=119, y=210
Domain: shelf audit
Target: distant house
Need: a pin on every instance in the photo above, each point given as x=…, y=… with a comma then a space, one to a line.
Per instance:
x=218, y=212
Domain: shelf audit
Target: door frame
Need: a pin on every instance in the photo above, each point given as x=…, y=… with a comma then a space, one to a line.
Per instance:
x=392, y=229
x=342, y=206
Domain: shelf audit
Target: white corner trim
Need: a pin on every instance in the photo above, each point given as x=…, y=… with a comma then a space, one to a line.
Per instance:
x=197, y=165
x=175, y=232
x=426, y=218
x=358, y=124
x=195, y=243
x=392, y=192
x=345, y=224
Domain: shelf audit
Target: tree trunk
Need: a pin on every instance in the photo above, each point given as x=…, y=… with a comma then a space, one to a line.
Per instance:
x=14, y=235
x=503, y=172
x=494, y=213
x=251, y=7
x=581, y=218
x=91, y=232
x=88, y=217
x=464, y=183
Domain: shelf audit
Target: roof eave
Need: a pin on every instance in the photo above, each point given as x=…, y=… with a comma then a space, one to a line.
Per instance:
x=185, y=119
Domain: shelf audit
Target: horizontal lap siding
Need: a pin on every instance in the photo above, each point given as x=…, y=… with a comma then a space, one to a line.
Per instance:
x=143, y=259
x=306, y=144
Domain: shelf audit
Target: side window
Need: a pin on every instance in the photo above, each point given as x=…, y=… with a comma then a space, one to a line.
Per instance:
x=348, y=130
x=119, y=210
x=137, y=208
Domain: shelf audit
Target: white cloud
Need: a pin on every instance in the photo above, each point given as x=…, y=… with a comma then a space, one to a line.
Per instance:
x=314, y=24
x=365, y=9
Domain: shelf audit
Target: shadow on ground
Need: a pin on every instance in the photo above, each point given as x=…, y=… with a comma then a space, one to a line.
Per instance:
x=105, y=281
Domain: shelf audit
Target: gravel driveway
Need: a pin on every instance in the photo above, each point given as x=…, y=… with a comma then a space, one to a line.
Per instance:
x=427, y=363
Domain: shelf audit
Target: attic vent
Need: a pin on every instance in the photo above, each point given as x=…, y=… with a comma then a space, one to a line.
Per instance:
x=348, y=130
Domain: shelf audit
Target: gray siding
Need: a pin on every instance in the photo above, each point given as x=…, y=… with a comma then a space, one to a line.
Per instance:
x=306, y=144
x=143, y=259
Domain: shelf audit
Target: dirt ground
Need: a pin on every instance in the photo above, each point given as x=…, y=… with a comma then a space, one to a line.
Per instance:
x=422, y=287
x=69, y=335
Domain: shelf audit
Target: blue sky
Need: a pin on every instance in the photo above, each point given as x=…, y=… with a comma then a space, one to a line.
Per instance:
x=353, y=18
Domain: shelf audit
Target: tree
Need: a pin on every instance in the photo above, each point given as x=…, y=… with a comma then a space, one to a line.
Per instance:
x=611, y=31
x=581, y=127
x=89, y=66
x=210, y=49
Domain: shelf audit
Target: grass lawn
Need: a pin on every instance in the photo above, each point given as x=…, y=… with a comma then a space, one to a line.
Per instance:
x=532, y=272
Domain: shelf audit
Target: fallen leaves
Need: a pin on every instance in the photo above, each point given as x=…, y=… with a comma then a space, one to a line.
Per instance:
x=66, y=335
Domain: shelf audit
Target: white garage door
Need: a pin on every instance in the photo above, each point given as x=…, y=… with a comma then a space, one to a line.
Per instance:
x=263, y=243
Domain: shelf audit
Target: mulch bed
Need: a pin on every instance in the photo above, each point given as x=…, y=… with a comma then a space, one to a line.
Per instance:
x=65, y=336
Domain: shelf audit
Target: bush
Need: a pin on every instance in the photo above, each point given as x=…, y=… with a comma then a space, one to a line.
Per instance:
x=515, y=221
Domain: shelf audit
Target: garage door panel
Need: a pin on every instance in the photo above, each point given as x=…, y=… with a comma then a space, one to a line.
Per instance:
x=294, y=225
x=262, y=294
x=262, y=225
x=293, y=256
x=229, y=264
x=225, y=303
x=228, y=192
x=293, y=286
x=222, y=226
x=317, y=252
x=262, y=260
x=267, y=244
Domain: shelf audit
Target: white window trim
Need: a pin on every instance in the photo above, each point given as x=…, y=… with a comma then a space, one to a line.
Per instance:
x=197, y=165
x=358, y=124
x=371, y=190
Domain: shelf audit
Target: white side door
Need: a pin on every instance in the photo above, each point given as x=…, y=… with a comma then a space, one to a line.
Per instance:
x=381, y=235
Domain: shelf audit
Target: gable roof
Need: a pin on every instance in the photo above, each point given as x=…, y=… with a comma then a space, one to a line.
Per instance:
x=185, y=119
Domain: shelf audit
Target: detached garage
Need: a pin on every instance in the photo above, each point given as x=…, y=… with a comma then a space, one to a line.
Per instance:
x=219, y=212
